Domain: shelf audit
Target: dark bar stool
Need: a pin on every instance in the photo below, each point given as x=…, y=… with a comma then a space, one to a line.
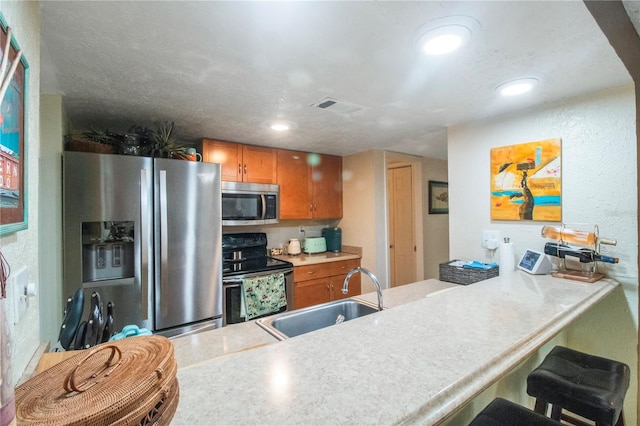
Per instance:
x=505, y=413
x=587, y=385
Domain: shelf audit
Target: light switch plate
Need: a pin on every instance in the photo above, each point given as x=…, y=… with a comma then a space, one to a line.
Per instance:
x=20, y=301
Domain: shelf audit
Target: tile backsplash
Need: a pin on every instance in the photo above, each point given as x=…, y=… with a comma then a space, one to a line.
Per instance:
x=279, y=234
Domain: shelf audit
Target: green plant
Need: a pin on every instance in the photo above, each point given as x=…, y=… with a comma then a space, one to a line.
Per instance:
x=164, y=143
x=105, y=136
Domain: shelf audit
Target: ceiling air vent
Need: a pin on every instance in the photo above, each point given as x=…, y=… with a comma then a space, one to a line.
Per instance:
x=339, y=107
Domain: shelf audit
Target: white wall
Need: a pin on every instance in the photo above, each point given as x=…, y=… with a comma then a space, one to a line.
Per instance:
x=21, y=249
x=599, y=170
x=53, y=125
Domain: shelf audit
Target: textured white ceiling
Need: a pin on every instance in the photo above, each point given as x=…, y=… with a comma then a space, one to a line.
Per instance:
x=633, y=10
x=222, y=70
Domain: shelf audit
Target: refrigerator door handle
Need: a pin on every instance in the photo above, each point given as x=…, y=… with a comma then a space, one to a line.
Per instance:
x=164, y=246
x=146, y=267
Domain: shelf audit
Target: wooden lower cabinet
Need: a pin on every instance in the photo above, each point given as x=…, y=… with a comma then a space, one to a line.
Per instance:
x=322, y=282
x=312, y=292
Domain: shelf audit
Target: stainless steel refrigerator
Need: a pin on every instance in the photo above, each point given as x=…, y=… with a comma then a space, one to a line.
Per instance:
x=145, y=234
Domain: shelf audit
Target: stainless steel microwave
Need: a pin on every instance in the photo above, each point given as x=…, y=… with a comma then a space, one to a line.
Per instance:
x=250, y=203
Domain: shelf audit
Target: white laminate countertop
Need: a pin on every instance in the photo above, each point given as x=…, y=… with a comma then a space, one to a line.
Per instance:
x=414, y=364
x=203, y=346
x=396, y=296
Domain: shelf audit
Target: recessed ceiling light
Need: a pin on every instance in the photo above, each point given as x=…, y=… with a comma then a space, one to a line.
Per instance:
x=280, y=127
x=445, y=35
x=517, y=87
x=444, y=40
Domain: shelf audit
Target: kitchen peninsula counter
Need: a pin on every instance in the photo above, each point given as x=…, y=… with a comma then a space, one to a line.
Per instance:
x=415, y=363
x=203, y=346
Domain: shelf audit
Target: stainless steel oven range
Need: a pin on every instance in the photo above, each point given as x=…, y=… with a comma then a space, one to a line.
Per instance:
x=244, y=255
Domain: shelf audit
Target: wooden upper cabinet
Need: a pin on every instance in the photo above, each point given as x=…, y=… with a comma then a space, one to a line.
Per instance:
x=310, y=185
x=326, y=178
x=241, y=163
x=227, y=154
x=259, y=164
x=295, y=185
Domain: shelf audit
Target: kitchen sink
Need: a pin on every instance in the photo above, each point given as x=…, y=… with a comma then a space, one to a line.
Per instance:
x=293, y=323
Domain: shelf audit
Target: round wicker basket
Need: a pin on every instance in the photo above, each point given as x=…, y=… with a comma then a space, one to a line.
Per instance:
x=127, y=382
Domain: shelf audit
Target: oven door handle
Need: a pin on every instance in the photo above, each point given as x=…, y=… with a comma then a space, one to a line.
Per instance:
x=238, y=278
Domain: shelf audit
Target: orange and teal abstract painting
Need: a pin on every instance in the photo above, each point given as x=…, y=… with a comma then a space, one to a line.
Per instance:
x=526, y=181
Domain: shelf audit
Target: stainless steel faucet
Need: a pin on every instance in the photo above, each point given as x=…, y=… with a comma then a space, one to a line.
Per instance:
x=345, y=285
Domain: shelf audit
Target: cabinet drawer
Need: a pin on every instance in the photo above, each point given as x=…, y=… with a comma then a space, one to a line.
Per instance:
x=310, y=272
x=326, y=269
x=343, y=266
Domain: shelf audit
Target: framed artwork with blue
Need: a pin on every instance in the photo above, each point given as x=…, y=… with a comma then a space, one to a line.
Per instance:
x=14, y=71
x=526, y=181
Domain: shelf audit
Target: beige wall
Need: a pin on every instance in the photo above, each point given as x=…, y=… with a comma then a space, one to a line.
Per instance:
x=360, y=214
x=21, y=249
x=435, y=226
x=365, y=216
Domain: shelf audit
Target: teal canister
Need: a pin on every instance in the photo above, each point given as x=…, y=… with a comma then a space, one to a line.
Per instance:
x=333, y=237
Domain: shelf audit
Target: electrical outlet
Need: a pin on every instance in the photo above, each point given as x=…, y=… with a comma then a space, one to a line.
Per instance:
x=490, y=239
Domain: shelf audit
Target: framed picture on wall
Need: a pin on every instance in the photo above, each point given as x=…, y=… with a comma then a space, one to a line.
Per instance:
x=13, y=158
x=526, y=181
x=438, y=197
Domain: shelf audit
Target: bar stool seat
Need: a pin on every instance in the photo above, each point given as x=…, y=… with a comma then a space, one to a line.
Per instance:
x=501, y=412
x=587, y=385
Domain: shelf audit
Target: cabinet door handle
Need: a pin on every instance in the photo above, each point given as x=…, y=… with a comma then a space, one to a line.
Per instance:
x=245, y=169
x=239, y=168
x=311, y=272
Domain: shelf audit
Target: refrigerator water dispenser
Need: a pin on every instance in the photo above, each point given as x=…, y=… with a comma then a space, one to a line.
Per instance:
x=107, y=251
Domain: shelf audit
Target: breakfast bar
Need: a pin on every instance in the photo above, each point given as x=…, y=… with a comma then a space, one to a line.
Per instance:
x=414, y=363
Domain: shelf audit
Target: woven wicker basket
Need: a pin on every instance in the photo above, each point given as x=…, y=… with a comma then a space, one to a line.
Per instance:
x=465, y=276
x=83, y=144
x=127, y=382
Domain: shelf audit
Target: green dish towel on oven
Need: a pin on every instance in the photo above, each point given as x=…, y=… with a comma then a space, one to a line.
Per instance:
x=263, y=295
